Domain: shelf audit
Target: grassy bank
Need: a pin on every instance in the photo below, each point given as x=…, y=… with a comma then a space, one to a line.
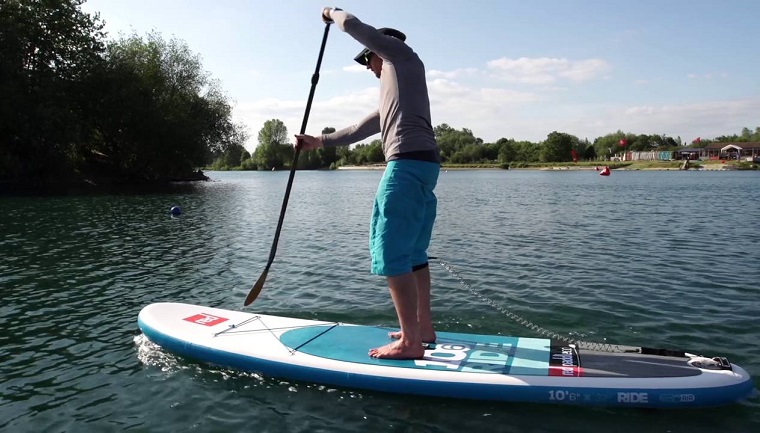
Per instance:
x=621, y=165
x=588, y=165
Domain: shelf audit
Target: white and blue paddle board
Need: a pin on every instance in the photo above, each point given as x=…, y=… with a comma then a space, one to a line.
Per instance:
x=482, y=367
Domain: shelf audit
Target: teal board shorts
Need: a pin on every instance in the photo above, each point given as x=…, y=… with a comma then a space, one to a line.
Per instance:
x=403, y=217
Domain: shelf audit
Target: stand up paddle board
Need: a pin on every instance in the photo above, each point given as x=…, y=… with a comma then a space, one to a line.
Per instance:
x=482, y=367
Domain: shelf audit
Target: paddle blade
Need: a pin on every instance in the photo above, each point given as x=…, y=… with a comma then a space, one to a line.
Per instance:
x=256, y=289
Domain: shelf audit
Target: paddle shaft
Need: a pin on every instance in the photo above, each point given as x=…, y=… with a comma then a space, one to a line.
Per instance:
x=256, y=289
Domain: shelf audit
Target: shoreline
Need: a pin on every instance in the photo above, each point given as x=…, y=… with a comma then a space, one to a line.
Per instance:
x=702, y=167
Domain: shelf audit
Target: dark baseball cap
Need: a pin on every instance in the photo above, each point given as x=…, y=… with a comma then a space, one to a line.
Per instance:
x=361, y=58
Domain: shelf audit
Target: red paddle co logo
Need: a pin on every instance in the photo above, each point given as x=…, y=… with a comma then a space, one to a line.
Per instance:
x=205, y=319
x=564, y=361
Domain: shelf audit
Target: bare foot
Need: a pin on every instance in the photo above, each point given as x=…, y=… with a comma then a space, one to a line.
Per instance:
x=427, y=337
x=396, y=350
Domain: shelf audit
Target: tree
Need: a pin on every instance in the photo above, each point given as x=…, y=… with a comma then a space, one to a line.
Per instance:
x=558, y=146
x=345, y=156
x=271, y=151
x=490, y=152
x=328, y=155
x=507, y=150
x=587, y=150
x=609, y=144
x=74, y=107
x=451, y=140
x=527, y=151
x=320, y=158
x=47, y=50
x=369, y=153
x=177, y=120
x=234, y=156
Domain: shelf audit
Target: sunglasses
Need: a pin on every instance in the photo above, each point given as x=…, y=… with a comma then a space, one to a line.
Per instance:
x=367, y=57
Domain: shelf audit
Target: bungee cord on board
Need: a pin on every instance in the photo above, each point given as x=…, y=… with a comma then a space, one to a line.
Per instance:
x=602, y=347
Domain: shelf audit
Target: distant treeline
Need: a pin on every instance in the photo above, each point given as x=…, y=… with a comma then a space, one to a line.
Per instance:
x=76, y=107
x=457, y=147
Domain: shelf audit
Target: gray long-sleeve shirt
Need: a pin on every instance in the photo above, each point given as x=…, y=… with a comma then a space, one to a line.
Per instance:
x=403, y=116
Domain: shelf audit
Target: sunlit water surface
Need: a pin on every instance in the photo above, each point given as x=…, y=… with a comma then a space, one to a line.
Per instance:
x=666, y=259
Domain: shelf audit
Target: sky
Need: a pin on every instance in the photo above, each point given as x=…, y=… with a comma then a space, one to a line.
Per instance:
x=501, y=68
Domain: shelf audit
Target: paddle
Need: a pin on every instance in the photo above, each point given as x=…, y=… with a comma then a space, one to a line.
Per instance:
x=256, y=289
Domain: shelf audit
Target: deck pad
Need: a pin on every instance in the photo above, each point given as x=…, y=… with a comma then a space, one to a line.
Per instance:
x=452, y=352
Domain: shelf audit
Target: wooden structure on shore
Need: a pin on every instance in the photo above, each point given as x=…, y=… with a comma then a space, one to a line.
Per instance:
x=717, y=151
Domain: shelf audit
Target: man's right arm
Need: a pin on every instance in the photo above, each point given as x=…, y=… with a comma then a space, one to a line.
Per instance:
x=367, y=127
x=387, y=47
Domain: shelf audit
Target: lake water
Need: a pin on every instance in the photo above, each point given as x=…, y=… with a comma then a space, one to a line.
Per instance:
x=662, y=259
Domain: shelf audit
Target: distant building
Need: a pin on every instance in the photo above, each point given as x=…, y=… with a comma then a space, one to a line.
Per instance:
x=730, y=151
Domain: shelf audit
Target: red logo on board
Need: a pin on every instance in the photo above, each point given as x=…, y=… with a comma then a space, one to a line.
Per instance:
x=556, y=370
x=205, y=319
x=564, y=361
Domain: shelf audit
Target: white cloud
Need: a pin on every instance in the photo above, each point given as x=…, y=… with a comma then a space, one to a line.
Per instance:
x=355, y=68
x=707, y=75
x=492, y=113
x=717, y=116
x=704, y=119
x=494, y=103
x=585, y=70
x=547, y=70
x=337, y=112
x=451, y=75
x=485, y=110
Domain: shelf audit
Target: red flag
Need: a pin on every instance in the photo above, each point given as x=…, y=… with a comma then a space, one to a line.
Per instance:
x=623, y=142
x=698, y=140
x=575, y=155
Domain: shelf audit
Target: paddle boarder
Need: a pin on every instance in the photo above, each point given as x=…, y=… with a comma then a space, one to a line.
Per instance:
x=405, y=203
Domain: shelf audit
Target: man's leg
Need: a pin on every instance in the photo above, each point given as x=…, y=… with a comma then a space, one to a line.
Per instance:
x=424, y=316
x=403, y=290
x=420, y=266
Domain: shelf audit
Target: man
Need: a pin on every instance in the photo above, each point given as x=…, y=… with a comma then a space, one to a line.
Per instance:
x=405, y=205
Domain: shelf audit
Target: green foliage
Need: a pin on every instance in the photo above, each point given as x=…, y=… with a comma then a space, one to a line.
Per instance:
x=345, y=156
x=507, y=150
x=450, y=141
x=273, y=150
x=47, y=50
x=329, y=155
x=369, y=153
x=527, y=151
x=310, y=160
x=746, y=136
x=587, y=151
x=558, y=147
x=248, y=164
x=75, y=107
x=158, y=114
x=234, y=155
x=609, y=144
x=467, y=150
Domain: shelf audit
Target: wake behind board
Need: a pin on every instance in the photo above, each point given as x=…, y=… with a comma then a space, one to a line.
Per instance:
x=481, y=367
